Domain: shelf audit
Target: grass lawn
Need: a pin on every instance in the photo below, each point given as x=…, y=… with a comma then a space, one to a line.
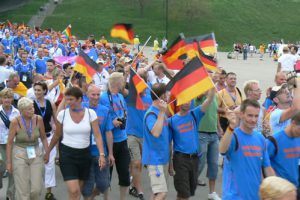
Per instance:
x=23, y=13
x=252, y=21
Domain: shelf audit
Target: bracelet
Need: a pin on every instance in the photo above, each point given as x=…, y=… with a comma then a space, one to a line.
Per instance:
x=102, y=154
x=229, y=129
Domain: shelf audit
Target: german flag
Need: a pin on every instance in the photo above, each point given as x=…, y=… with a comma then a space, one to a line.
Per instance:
x=190, y=82
x=172, y=108
x=85, y=66
x=68, y=32
x=206, y=42
x=123, y=31
x=179, y=51
x=136, y=86
x=208, y=61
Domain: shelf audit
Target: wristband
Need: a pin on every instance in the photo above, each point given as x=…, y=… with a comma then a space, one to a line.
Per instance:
x=102, y=154
x=229, y=129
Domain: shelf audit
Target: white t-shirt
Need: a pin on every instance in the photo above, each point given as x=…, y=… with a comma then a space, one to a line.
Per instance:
x=4, y=73
x=154, y=79
x=3, y=129
x=101, y=80
x=76, y=135
x=55, y=52
x=287, y=62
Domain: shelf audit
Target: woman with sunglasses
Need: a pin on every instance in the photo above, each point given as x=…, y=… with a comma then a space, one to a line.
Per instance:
x=47, y=111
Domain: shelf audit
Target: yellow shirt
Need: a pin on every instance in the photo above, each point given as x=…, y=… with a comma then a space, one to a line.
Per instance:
x=103, y=41
x=229, y=100
x=136, y=41
x=155, y=45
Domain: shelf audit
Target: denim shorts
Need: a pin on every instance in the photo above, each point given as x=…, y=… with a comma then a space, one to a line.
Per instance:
x=96, y=176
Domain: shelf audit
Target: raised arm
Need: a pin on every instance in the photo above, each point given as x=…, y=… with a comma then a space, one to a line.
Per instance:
x=208, y=100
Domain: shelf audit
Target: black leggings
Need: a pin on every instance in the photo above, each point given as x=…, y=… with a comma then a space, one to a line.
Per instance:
x=122, y=161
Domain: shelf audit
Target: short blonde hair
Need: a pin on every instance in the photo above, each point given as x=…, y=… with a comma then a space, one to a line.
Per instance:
x=115, y=78
x=248, y=85
x=274, y=187
x=7, y=92
x=24, y=103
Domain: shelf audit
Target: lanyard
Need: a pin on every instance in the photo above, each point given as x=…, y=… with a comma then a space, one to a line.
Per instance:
x=29, y=131
x=39, y=107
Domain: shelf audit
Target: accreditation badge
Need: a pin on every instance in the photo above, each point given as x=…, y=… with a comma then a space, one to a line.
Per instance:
x=30, y=152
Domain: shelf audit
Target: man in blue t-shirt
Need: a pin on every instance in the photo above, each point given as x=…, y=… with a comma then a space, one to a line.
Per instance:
x=100, y=178
x=245, y=154
x=284, y=151
x=286, y=106
x=184, y=131
x=134, y=130
x=156, y=145
x=25, y=70
x=116, y=104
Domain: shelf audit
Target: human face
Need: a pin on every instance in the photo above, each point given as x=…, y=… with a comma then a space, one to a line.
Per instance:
x=249, y=118
x=73, y=102
x=222, y=79
x=295, y=129
x=28, y=111
x=231, y=80
x=14, y=82
x=255, y=92
x=185, y=107
x=38, y=91
x=7, y=101
x=156, y=70
x=280, y=79
x=24, y=58
x=283, y=96
x=94, y=95
x=50, y=66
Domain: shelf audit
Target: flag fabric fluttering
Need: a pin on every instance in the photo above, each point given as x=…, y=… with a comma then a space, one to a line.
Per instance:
x=123, y=31
x=136, y=87
x=68, y=32
x=178, y=52
x=85, y=66
x=192, y=81
x=206, y=42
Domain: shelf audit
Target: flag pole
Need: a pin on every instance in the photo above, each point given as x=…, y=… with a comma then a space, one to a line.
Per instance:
x=137, y=73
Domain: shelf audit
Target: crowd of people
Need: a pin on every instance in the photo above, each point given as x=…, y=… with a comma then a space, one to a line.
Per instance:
x=50, y=114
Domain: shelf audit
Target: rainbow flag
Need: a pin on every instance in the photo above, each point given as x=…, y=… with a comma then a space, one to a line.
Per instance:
x=68, y=32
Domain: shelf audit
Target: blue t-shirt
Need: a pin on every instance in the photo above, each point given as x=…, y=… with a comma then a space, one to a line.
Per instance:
x=242, y=173
x=116, y=111
x=155, y=150
x=184, y=131
x=40, y=66
x=7, y=43
x=105, y=124
x=135, y=117
x=285, y=162
x=275, y=123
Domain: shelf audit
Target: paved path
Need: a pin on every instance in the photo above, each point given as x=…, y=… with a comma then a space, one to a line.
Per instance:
x=252, y=68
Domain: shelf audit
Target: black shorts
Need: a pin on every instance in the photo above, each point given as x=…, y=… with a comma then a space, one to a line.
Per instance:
x=74, y=163
x=122, y=161
x=186, y=174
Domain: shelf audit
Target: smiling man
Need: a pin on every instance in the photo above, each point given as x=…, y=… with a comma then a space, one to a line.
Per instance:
x=245, y=154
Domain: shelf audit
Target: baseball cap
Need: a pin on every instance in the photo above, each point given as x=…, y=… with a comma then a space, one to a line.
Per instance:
x=100, y=61
x=276, y=90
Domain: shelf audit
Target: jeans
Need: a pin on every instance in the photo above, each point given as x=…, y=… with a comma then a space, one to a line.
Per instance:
x=209, y=148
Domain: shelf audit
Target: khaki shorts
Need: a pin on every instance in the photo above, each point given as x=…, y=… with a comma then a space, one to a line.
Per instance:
x=135, y=147
x=158, y=178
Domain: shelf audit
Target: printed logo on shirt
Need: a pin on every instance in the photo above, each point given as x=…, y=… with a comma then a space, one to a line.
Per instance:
x=117, y=107
x=292, y=152
x=100, y=120
x=185, y=127
x=252, y=151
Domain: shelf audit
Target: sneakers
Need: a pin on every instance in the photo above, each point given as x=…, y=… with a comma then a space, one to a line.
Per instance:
x=141, y=196
x=49, y=196
x=133, y=192
x=214, y=196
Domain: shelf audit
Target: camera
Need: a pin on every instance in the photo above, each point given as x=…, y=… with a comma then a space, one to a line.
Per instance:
x=123, y=120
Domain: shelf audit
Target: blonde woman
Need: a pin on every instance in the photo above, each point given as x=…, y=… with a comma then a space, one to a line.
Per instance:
x=24, y=157
x=276, y=188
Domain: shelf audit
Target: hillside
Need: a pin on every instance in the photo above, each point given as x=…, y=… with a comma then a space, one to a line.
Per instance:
x=252, y=21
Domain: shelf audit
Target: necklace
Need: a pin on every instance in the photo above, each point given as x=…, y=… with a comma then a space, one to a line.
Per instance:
x=77, y=109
